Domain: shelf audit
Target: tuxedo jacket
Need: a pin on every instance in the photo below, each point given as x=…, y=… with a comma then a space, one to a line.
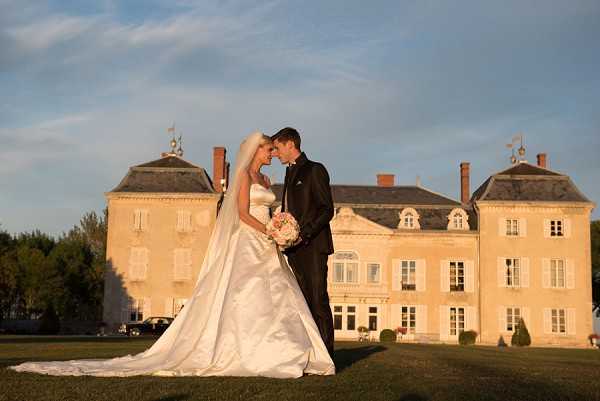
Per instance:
x=307, y=196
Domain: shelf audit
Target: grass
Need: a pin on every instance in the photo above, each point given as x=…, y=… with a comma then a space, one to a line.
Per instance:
x=367, y=372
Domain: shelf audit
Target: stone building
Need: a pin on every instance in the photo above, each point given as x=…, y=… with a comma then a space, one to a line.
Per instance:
x=406, y=256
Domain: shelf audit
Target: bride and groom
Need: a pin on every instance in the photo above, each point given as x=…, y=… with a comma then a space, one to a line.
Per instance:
x=252, y=312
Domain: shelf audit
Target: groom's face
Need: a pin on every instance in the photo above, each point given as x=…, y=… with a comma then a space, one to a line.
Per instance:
x=282, y=150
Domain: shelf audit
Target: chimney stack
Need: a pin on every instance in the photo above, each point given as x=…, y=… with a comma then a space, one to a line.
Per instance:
x=220, y=168
x=465, y=192
x=541, y=160
x=385, y=180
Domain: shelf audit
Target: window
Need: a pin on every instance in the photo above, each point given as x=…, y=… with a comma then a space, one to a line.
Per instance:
x=373, y=318
x=409, y=273
x=457, y=276
x=337, y=317
x=184, y=221
x=409, y=219
x=457, y=321
x=512, y=227
x=408, y=318
x=345, y=267
x=373, y=273
x=559, y=321
x=513, y=272
x=138, y=263
x=458, y=220
x=351, y=318
x=182, y=264
x=136, y=310
x=557, y=273
x=556, y=228
x=513, y=315
x=140, y=219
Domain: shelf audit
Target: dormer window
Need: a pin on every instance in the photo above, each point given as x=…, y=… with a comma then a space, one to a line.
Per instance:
x=458, y=220
x=409, y=219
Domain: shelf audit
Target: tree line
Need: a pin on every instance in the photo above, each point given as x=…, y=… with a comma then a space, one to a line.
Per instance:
x=61, y=278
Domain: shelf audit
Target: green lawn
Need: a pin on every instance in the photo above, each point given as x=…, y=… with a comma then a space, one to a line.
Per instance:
x=365, y=372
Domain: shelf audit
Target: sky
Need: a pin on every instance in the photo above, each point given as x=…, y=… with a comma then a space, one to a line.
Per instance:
x=412, y=88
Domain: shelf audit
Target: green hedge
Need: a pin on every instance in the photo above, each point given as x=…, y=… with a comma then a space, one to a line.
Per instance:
x=467, y=337
x=521, y=337
x=387, y=336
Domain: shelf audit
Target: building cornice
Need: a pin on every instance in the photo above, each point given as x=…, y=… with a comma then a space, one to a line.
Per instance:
x=161, y=195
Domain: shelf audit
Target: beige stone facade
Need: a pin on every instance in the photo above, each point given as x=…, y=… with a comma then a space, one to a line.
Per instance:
x=405, y=256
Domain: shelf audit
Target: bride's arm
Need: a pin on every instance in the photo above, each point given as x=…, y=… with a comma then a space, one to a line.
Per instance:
x=244, y=204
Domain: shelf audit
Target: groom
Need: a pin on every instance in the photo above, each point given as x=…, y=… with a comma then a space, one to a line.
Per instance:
x=307, y=196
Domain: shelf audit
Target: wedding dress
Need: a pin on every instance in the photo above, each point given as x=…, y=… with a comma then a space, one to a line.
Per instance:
x=247, y=315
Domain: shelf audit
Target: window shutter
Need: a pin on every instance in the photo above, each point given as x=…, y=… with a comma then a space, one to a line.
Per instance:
x=396, y=277
x=545, y=273
x=169, y=312
x=567, y=228
x=147, y=308
x=179, y=226
x=144, y=222
x=470, y=276
x=546, y=228
x=137, y=219
x=524, y=279
x=571, y=321
x=445, y=275
x=526, y=315
x=177, y=264
x=502, y=226
x=471, y=318
x=502, y=318
x=396, y=309
x=143, y=266
x=421, y=319
x=444, y=323
x=125, y=306
x=501, y=272
x=522, y=227
x=547, y=321
x=570, y=279
x=133, y=257
x=421, y=275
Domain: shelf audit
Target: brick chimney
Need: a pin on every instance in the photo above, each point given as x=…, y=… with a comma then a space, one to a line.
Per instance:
x=385, y=180
x=541, y=160
x=220, y=167
x=465, y=192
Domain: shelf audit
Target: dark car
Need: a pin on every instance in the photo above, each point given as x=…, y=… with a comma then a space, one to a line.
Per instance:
x=152, y=325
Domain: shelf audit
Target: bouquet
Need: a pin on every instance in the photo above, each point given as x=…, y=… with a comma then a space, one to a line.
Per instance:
x=284, y=229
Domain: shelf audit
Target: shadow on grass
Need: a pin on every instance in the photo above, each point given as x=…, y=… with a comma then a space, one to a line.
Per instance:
x=31, y=339
x=412, y=397
x=176, y=397
x=346, y=357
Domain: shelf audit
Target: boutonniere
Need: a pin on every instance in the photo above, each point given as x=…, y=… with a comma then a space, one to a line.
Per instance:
x=299, y=183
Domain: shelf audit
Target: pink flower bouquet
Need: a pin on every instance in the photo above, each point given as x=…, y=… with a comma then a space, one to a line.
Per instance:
x=284, y=229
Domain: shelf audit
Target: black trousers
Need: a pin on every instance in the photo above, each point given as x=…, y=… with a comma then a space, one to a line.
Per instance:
x=310, y=268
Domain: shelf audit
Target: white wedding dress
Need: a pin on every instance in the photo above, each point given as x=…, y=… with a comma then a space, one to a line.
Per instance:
x=247, y=317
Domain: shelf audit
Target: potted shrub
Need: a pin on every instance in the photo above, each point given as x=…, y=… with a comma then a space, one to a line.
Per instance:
x=363, y=333
x=594, y=339
x=387, y=336
x=467, y=337
x=521, y=336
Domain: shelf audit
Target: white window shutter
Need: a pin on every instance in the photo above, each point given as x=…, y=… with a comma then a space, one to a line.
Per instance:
x=526, y=315
x=547, y=321
x=147, y=308
x=545, y=273
x=137, y=219
x=502, y=318
x=571, y=324
x=570, y=279
x=546, y=228
x=502, y=226
x=445, y=275
x=188, y=221
x=470, y=276
x=524, y=279
x=501, y=272
x=421, y=324
x=179, y=226
x=396, y=277
x=522, y=227
x=471, y=318
x=395, y=318
x=144, y=222
x=144, y=263
x=444, y=323
x=421, y=272
x=169, y=307
x=567, y=228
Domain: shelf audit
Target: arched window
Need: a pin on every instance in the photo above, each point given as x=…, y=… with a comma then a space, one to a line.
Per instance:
x=409, y=219
x=458, y=220
x=345, y=267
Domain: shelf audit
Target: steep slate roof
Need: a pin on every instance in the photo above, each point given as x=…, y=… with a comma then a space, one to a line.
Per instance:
x=383, y=205
x=169, y=174
x=526, y=182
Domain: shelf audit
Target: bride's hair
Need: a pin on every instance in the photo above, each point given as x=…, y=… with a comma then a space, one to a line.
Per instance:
x=265, y=140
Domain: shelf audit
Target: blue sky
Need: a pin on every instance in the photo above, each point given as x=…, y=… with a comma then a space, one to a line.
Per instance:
x=404, y=87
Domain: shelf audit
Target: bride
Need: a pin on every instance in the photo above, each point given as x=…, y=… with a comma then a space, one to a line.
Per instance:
x=247, y=315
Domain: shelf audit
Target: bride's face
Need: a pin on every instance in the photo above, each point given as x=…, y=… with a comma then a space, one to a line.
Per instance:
x=264, y=153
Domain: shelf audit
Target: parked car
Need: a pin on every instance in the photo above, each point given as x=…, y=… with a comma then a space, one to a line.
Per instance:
x=153, y=325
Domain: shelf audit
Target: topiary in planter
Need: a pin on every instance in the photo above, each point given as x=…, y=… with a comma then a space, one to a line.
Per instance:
x=521, y=336
x=387, y=336
x=467, y=337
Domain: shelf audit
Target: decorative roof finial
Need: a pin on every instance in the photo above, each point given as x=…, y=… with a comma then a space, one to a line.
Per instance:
x=521, y=151
x=173, y=143
x=180, y=149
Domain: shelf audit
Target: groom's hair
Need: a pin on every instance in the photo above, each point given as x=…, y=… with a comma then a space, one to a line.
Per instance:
x=287, y=134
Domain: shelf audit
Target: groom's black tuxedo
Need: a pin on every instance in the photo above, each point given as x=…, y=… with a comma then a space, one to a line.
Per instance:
x=307, y=196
